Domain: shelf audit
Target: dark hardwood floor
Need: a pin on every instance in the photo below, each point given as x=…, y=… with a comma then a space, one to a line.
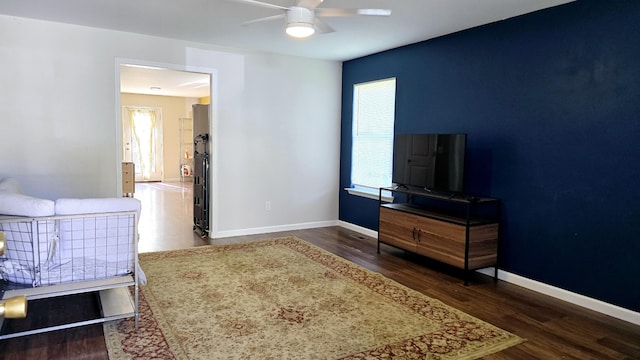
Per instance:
x=553, y=329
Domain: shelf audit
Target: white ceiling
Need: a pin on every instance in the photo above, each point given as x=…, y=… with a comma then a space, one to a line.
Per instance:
x=217, y=22
x=163, y=82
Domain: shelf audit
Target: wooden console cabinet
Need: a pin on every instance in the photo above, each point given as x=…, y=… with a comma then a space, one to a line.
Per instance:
x=457, y=230
x=128, y=179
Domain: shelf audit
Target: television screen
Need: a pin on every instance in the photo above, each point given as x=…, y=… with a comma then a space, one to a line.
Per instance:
x=430, y=161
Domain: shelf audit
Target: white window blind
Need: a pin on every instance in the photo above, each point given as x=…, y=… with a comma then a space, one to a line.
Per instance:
x=372, y=140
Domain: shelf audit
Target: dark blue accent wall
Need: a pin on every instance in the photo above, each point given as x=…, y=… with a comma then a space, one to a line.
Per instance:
x=551, y=105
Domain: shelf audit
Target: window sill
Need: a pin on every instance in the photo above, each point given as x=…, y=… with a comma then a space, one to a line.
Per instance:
x=370, y=193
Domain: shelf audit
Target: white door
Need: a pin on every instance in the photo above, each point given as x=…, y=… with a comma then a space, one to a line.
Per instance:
x=142, y=141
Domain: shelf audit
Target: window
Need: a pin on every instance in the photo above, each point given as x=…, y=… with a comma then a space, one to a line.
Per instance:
x=372, y=136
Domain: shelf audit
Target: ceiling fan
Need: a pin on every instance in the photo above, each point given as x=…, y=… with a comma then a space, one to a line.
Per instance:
x=302, y=19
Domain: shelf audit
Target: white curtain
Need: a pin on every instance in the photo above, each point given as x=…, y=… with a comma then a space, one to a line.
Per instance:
x=143, y=139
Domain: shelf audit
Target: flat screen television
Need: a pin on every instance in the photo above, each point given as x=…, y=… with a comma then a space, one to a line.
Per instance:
x=433, y=162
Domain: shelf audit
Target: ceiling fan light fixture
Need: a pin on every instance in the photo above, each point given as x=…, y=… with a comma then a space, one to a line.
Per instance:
x=299, y=30
x=304, y=18
x=300, y=22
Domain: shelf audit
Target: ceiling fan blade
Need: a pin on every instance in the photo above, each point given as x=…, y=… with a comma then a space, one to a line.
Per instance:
x=322, y=27
x=264, y=19
x=309, y=4
x=260, y=3
x=336, y=12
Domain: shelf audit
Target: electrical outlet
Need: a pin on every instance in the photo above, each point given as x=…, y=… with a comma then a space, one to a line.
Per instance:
x=267, y=205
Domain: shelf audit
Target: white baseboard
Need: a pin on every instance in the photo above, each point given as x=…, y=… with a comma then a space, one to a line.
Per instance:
x=565, y=295
x=271, y=229
x=568, y=296
x=358, y=229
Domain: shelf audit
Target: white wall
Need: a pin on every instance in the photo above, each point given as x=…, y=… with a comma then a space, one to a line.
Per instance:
x=276, y=121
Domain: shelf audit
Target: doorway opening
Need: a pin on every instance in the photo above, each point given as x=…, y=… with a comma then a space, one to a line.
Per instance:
x=153, y=102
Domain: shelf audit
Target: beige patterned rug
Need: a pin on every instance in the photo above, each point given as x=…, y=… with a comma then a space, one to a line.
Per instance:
x=287, y=299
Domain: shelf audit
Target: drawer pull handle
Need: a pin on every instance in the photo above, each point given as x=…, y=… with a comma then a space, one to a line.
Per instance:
x=416, y=234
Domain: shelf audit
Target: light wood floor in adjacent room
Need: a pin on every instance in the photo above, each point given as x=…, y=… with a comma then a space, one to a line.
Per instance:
x=553, y=329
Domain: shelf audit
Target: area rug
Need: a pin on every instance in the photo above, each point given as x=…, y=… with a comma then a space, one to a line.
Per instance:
x=287, y=299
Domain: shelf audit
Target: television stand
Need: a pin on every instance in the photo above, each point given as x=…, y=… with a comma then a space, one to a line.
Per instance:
x=455, y=230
